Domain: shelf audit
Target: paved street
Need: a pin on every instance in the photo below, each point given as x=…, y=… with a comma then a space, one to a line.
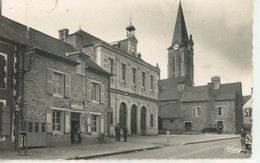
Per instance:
x=216, y=149
x=138, y=143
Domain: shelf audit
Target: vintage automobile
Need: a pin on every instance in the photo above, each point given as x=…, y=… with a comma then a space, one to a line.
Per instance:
x=248, y=141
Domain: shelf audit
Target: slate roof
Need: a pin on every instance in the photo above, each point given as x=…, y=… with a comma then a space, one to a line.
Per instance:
x=88, y=39
x=200, y=93
x=93, y=65
x=180, y=32
x=246, y=98
x=170, y=109
x=17, y=32
x=168, y=89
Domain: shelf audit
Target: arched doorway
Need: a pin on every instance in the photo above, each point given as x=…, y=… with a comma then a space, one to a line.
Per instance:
x=133, y=119
x=122, y=115
x=143, y=119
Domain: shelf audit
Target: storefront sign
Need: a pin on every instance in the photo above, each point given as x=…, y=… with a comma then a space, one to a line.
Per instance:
x=76, y=106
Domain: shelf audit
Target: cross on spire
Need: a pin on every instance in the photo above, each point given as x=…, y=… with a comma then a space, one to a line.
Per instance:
x=130, y=20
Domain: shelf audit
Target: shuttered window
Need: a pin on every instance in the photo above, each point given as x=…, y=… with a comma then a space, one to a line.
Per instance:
x=143, y=80
x=123, y=72
x=95, y=92
x=151, y=83
x=58, y=83
x=3, y=71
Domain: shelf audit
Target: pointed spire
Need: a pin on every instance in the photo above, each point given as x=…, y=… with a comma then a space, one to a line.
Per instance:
x=180, y=32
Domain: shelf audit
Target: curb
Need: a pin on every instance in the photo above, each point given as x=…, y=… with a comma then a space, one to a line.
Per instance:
x=111, y=153
x=205, y=141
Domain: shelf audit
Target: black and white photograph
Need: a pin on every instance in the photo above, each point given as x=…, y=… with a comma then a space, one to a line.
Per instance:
x=128, y=80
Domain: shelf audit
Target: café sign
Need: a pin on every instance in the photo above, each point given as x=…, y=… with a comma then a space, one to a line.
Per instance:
x=76, y=106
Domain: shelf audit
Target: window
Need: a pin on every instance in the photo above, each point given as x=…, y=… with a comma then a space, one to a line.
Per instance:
x=43, y=127
x=3, y=71
x=57, y=83
x=111, y=118
x=143, y=80
x=36, y=127
x=220, y=111
x=94, y=123
x=197, y=111
x=30, y=127
x=111, y=66
x=123, y=69
x=151, y=83
x=151, y=120
x=133, y=48
x=134, y=75
x=95, y=92
x=81, y=66
x=56, y=120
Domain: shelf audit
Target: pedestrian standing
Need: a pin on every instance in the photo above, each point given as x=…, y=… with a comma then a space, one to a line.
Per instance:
x=125, y=133
x=242, y=139
x=117, y=130
x=168, y=135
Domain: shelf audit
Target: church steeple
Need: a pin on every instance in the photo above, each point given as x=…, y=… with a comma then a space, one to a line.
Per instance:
x=180, y=32
x=180, y=53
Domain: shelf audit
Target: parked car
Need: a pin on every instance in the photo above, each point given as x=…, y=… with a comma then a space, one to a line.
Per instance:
x=248, y=141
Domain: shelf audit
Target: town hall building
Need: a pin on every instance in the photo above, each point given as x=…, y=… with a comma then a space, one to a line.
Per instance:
x=184, y=107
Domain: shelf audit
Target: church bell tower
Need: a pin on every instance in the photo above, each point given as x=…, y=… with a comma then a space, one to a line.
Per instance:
x=180, y=53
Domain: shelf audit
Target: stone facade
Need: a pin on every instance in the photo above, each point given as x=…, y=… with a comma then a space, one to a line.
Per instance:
x=40, y=104
x=7, y=92
x=133, y=86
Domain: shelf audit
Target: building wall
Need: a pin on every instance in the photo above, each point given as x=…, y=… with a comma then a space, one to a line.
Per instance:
x=197, y=122
x=7, y=54
x=151, y=108
x=39, y=104
x=141, y=97
x=175, y=125
x=228, y=117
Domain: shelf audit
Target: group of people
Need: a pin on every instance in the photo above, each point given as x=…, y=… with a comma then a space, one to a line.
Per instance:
x=118, y=132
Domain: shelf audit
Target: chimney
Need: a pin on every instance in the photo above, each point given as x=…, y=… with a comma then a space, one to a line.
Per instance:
x=63, y=33
x=216, y=81
x=211, y=90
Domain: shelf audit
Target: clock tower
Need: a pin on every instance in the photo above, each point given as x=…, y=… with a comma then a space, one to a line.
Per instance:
x=180, y=53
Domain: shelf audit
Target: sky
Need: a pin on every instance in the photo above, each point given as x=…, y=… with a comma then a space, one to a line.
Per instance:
x=221, y=30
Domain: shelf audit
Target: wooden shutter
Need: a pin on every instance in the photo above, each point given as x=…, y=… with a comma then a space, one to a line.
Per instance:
x=67, y=122
x=89, y=85
x=89, y=122
x=102, y=125
x=102, y=93
x=6, y=118
x=67, y=85
x=49, y=120
x=49, y=82
x=62, y=85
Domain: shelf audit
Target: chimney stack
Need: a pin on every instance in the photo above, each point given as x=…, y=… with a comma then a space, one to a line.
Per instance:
x=216, y=81
x=63, y=33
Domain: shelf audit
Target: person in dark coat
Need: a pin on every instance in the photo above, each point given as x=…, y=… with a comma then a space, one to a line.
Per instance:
x=125, y=133
x=117, y=130
x=242, y=139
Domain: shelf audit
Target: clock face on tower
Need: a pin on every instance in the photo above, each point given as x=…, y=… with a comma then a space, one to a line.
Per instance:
x=176, y=46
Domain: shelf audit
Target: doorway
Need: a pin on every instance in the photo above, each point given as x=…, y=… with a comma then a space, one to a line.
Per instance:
x=122, y=115
x=75, y=136
x=143, y=119
x=133, y=119
x=187, y=126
